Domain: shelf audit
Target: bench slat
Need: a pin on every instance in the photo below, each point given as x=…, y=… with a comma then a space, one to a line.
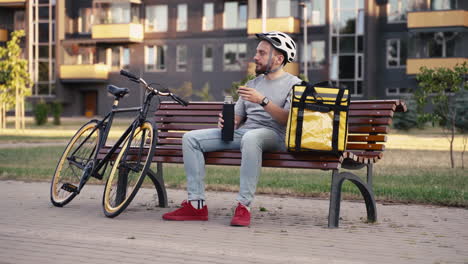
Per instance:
x=369, y=121
x=365, y=129
x=352, y=146
x=379, y=138
x=186, y=119
x=185, y=126
x=183, y=112
x=372, y=106
x=381, y=113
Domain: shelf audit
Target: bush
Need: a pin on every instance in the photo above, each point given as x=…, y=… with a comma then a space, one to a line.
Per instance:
x=41, y=110
x=408, y=120
x=56, y=108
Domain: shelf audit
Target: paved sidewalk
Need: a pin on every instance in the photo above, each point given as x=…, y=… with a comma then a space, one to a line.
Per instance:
x=292, y=230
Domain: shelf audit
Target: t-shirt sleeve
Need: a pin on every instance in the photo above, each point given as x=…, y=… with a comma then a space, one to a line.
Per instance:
x=287, y=104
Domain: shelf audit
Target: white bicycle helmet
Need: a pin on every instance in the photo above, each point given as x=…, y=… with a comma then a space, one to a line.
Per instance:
x=281, y=42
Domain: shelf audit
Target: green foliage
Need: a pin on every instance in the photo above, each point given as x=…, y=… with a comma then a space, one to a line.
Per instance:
x=56, y=108
x=41, y=111
x=235, y=85
x=438, y=87
x=408, y=120
x=205, y=93
x=461, y=110
x=185, y=90
x=302, y=77
x=14, y=76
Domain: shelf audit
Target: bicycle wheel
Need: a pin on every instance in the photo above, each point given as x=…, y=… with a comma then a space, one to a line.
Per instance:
x=77, y=156
x=129, y=170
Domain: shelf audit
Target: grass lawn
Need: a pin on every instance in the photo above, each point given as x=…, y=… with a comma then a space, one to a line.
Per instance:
x=415, y=168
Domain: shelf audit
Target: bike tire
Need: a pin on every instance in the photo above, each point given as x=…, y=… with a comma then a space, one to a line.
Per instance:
x=130, y=168
x=81, y=150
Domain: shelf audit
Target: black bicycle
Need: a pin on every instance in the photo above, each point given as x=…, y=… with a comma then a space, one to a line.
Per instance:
x=129, y=159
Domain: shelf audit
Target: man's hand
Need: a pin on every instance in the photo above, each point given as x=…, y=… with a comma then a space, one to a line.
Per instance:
x=250, y=94
x=221, y=121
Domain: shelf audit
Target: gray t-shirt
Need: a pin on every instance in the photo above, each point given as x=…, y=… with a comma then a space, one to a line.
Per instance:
x=278, y=91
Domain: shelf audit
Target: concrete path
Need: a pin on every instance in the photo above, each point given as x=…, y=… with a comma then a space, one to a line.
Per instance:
x=292, y=230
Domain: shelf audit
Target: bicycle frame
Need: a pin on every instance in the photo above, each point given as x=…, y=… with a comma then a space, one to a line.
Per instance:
x=105, y=127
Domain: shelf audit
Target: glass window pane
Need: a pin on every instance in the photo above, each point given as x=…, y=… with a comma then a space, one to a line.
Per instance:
x=161, y=58
x=403, y=52
x=348, y=21
x=208, y=16
x=125, y=58
x=156, y=18
x=242, y=23
x=318, y=54
x=316, y=12
x=182, y=17
x=230, y=15
x=181, y=58
x=207, y=58
x=349, y=4
x=44, y=32
x=115, y=51
x=43, y=89
x=44, y=12
x=347, y=67
x=347, y=45
x=44, y=51
x=43, y=71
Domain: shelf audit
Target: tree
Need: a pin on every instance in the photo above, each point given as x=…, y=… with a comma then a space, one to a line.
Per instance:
x=440, y=87
x=235, y=85
x=205, y=93
x=14, y=80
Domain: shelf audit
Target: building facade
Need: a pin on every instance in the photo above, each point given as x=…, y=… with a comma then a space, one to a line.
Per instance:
x=374, y=47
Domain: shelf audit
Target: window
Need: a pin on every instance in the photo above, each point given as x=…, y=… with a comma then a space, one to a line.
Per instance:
x=156, y=18
x=444, y=4
x=397, y=9
x=235, y=15
x=182, y=17
x=207, y=58
x=208, y=17
x=280, y=8
x=85, y=20
x=435, y=45
x=315, y=54
x=181, y=58
x=396, y=53
x=316, y=12
x=155, y=58
x=125, y=58
x=116, y=13
x=235, y=56
x=397, y=91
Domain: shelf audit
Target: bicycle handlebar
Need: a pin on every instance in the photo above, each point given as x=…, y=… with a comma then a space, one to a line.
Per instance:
x=136, y=79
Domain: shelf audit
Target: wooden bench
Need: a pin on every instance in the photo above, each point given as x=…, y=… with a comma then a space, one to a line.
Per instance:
x=369, y=122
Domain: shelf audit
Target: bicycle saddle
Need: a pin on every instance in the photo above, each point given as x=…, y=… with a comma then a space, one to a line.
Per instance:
x=117, y=91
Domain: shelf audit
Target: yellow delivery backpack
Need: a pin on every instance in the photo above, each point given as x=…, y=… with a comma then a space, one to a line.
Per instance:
x=318, y=118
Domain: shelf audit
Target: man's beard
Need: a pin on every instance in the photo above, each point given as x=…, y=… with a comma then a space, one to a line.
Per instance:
x=260, y=70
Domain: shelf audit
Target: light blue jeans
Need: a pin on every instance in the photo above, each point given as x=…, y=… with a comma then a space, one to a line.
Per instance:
x=251, y=142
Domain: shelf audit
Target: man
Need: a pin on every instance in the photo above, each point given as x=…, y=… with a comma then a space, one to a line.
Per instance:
x=261, y=115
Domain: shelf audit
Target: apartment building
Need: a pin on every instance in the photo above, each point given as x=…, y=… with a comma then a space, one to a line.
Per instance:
x=374, y=47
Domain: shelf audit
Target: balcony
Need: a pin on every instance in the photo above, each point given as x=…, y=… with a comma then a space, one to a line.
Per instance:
x=292, y=68
x=437, y=19
x=13, y=3
x=283, y=24
x=117, y=32
x=413, y=65
x=3, y=35
x=84, y=73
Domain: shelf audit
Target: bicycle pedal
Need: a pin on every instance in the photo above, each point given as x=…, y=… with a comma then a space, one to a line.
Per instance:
x=69, y=187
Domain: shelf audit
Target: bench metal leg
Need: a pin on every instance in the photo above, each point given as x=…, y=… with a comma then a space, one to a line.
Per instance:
x=335, y=197
x=158, y=182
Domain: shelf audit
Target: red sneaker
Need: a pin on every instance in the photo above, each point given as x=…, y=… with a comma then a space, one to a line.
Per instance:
x=187, y=213
x=241, y=216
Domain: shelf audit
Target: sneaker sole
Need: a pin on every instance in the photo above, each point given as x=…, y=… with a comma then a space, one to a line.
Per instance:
x=185, y=218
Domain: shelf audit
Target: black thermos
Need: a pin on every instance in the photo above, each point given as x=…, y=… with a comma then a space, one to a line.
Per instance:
x=227, y=132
